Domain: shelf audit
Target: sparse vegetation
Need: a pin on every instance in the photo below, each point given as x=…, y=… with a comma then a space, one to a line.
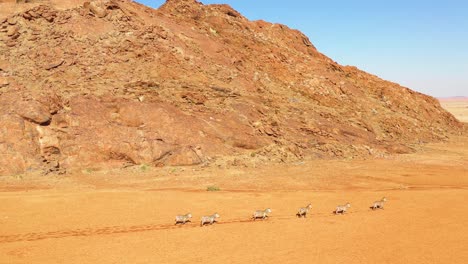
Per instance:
x=213, y=188
x=88, y=170
x=213, y=31
x=144, y=167
x=18, y=176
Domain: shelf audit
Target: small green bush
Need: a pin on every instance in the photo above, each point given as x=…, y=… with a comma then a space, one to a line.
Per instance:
x=213, y=189
x=144, y=167
x=88, y=170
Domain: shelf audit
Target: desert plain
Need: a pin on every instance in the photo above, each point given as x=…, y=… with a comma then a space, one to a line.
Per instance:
x=116, y=117
x=127, y=215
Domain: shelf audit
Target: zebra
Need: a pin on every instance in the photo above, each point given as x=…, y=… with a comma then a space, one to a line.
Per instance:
x=341, y=209
x=182, y=219
x=379, y=204
x=263, y=214
x=210, y=219
x=303, y=211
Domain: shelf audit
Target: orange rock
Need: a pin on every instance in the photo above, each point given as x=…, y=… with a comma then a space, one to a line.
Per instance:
x=33, y=112
x=12, y=31
x=114, y=83
x=3, y=82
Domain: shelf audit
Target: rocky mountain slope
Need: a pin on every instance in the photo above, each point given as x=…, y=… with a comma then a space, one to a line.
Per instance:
x=106, y=84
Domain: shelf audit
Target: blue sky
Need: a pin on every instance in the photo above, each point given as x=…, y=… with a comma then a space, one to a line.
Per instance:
x=420, y=44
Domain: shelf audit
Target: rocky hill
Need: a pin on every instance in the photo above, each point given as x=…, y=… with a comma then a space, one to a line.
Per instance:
x=106, y=84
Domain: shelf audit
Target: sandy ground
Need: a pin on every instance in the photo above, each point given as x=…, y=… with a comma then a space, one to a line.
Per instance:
x=458, y=107
x=127, y=216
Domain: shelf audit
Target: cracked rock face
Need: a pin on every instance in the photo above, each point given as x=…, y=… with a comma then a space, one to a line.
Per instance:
x=109, y=84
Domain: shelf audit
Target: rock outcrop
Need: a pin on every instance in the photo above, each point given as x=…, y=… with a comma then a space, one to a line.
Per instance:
x=112, y=83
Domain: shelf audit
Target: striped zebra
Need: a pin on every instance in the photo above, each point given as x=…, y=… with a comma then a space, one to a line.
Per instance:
x=182, y=219
x=303, y=211
x=210, y=219
x=341, y=209
x=379, y=204
x=263, y=214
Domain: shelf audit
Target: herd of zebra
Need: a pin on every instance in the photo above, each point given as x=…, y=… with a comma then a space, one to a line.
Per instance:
x=263, y=214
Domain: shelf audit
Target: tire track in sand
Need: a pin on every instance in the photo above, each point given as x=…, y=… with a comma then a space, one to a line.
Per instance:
x=110, y=230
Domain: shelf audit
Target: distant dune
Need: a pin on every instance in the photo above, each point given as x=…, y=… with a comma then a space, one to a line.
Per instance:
x=457, y=105
x=453, y=99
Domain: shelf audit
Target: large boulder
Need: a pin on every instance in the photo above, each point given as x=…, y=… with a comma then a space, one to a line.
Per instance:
x=34, y=111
